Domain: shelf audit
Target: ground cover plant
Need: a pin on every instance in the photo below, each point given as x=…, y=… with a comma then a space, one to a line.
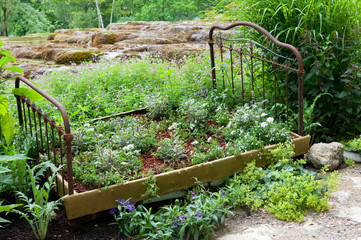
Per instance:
x=285, y=188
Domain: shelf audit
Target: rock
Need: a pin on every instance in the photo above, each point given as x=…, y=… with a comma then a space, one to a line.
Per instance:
x=352, y=155
x=326, y=154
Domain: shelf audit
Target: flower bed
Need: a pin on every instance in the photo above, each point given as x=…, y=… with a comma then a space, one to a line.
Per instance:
x=179, y=148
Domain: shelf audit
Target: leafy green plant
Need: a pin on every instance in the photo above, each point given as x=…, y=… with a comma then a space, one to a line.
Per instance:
x=7, y=209
x=198, y=216
x=151, y=184
x=353, y=145
x=194, y=112
x=285, y=188
x=39, y=207
x=171, y=149
x=6, y=125
x=158, y=107
x=349, y=162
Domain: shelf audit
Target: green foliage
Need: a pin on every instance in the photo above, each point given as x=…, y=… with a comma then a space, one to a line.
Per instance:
x=39, y=207
x=7, y=209
x=158, y=107
x=151, y=184
x=198, y=216
x=284, y=188
x=6, y=120
x=171, y=149
x=349, y=162
x=327, y=34
x=353, y=145
x=194, y=112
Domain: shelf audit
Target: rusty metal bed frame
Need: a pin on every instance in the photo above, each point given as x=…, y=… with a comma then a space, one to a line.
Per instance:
x=31, y=116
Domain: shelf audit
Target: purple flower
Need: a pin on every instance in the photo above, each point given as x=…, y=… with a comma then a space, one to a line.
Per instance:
x=175, y=225
x=199, y=216
x=122, y=202
x=130, y=208
x=113, y=210
x=223, y=193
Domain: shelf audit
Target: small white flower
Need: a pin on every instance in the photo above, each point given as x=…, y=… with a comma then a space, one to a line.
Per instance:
x=209, y=139
x=263, y=114
x=270, y=120
x=86, y=125
x=173, y=126
x=194, y=142
x=264, y=124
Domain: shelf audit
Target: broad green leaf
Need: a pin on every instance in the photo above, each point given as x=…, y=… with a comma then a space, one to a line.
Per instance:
x=7, y=54
x=7, y=127
x=30, y=93
x=14, y=69
x=342, y=94
x=4, y=170
x=4, y=105
x=4, y=61
x=1, y=44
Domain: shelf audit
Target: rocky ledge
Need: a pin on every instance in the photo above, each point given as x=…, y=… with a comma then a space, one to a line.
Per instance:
x=129, y=39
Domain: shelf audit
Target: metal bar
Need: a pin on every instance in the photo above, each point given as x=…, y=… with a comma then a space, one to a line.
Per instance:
x=300, y=102
x=263, y=92
x=242, y=80
x=260, y=45
x=231, y=50
x=33, y=108
x=287, y=86
x=31, y=127
x=252, y=74
x=52, y=126
x=59, y=129
x=213, y=67
x=221, y=48
x=41, y=131
x=20, y=114
x=275, y=88
x=23, y=106
x=46, y=120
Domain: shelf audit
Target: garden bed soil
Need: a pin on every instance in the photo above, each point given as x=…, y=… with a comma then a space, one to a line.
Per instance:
x=102, y=199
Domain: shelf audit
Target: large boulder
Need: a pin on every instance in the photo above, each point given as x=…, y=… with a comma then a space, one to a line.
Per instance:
x=326, y=154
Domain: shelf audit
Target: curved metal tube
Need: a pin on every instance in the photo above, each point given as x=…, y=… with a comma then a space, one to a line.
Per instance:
x=49, y=98
x=264, y=32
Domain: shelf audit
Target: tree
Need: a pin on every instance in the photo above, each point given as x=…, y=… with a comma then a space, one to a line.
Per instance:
x=6, y=7
x=100, y=25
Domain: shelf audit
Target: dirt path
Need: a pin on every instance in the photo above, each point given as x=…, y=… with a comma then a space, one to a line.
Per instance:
x=342, y=221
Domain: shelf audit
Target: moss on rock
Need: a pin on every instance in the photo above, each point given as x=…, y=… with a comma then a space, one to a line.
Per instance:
x=77, y=56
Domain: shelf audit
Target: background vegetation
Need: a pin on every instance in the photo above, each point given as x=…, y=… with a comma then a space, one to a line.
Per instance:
x=22, y=17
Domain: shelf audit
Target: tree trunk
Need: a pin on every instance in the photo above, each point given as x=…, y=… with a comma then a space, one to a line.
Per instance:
x=100, y=25
x=111, y=13
x=4, y=30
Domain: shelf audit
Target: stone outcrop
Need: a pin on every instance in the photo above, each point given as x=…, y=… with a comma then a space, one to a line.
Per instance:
x=129, y=39
x=326, y=154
